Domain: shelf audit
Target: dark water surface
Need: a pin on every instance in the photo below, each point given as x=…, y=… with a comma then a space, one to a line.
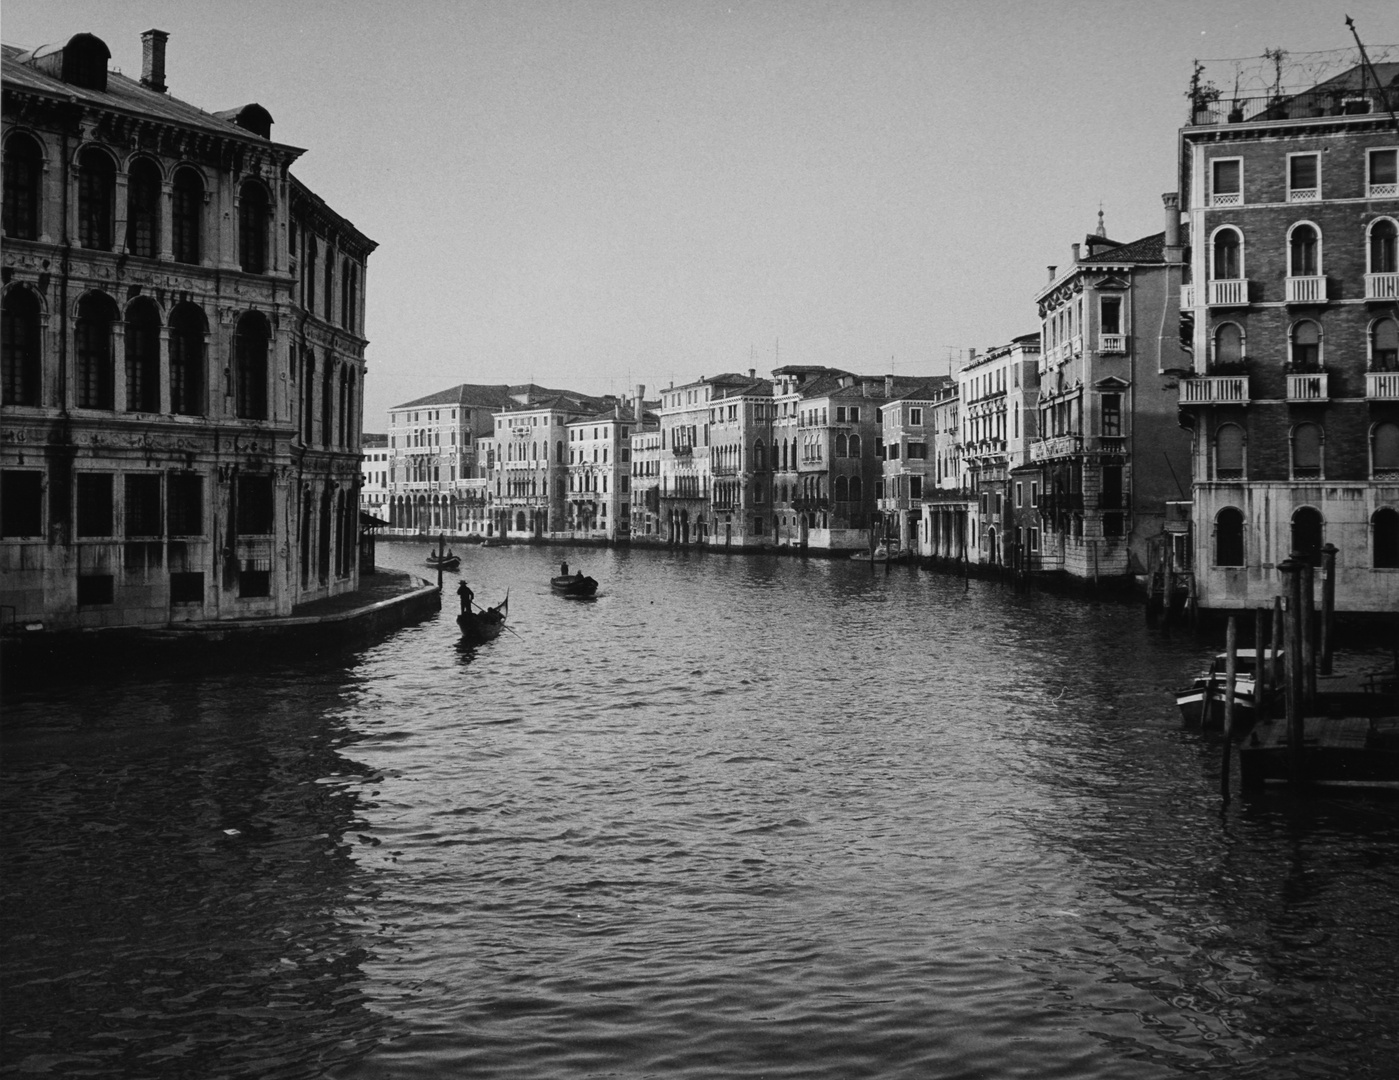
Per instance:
x=736, y=817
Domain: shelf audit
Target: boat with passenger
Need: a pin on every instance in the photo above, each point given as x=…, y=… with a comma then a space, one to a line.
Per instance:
x=484, y=624
x=574, y=584
x=437, y=560
x=1211, y=684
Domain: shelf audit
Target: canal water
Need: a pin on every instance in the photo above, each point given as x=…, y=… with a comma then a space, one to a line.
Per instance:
x=737, y=816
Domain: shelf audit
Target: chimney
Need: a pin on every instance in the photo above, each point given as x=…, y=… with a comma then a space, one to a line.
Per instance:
x=888, y=386
x=1171, y=201
x=752, y=373
x=1051, y=272
x=639, y=404
x=1075, y=247
x=153, y=60
x=971, y=357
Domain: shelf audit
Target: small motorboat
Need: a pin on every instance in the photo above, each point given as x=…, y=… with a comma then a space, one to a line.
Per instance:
x=484, y=624
x=448, y=561
x=573, y=584
x=1191, y=699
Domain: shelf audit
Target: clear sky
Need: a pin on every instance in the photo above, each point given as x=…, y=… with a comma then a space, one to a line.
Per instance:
x=594, y=194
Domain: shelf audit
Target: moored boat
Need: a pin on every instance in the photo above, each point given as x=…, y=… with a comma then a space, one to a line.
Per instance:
x=485, y=624
x=883, y=553
x=1211, y=684
x=443, y=562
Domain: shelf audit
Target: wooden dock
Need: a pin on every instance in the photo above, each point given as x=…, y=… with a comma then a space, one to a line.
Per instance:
x=1351, y=751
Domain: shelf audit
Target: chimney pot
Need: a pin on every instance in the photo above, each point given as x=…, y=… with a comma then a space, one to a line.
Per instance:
x=1075, y=247
x=1051, y=272
x=153, y=60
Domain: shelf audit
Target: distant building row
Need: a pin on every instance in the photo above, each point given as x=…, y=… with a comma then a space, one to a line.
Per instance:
x=1204, y=401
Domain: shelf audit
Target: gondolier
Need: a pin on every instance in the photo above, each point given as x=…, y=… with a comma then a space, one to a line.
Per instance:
x=467, y=596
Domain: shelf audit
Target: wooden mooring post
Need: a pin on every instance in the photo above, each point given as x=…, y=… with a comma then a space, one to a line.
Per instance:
x=441, y=544
x=1291, y=571
x=1277, y=636
x=1328, y=606
x=1260, y=669
x=1308, y=618
x=1231, y=667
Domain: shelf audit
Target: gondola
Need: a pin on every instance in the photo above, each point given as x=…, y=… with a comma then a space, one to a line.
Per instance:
x=443, y=562
x=573, y=584
x=485, y=624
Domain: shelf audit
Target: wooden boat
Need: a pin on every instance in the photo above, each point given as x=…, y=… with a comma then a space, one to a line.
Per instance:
x=882, y=554
x=1191, y=699
x=485, y=624
x=573, y=584
x=492, y=541
x=443, y=562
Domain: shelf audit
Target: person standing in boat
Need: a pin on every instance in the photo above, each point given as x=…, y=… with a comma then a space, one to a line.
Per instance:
x=563, y=570
x=464, y=591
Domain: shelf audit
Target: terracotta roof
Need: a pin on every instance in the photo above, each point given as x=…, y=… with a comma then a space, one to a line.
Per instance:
x=125, y=95
x=465, y=395
x=1149, y=249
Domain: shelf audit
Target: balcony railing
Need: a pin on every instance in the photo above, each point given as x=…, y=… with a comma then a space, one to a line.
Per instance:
x=1382, y=385
x=1214, y=390
x=1229, y=293
x=1306, y=290
x=1306, y=194
x=1187, y=296
x=1112, y=343
x=1382, y=286
x=1306, y=387
x=1347, y=101
x=1058, y=446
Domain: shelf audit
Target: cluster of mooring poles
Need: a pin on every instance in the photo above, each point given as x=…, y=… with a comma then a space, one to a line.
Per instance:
x=1297, y=648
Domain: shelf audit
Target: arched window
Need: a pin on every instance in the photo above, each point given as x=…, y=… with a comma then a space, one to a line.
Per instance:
x=1228, y=256
x=24, y=176
x=842, y=489
x=187, y=329
x=308, y=281
x=20, y=344
x=534, y=451
x=143, y=209
x=1306, y=346
x=854, y=446
x=840, y=445
x=1307, y=534
x=1384, y=345
x=142, y=356
x=93, y=338
x=352, y=300
x=328, y=403
x=1304, y=251
x=1229, y=452
x=759, y=455
x=1229, y=537
x=1383, y=258
x=855, y=489
x=254, y=215
x=308, y=391
x=1228, y=344
x=187, y=216
x=1385, y=451
x=558, y=452
x=97, y=186
x=1306, y=452
x=250, y=357
x=1384, y=547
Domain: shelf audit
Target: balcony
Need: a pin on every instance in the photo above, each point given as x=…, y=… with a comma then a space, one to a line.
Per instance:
x=1307, y=194
x=1229, y=293
x=1382, y=286
x=1059, y=446
x=1306, y=290
x=1382, y=385
x=1303, y=388
x=1187, y=296
x=1112, y=343
x=1214, y=390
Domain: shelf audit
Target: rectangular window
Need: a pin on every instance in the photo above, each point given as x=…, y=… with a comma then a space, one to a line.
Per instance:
x=21, y=504
x=187, y=587
x=915, y=487
x=1034, y=539
x=95, y=589
x=1034, y=493
x=185, y=504
x=840, y=414
x=1112, y=415
x=1384, y=173
x=255, y=511
x=1019, y=494
x=1303, y=177
x=854, y=414
x=1110, y=314
x=95, y=516
x=893, y=451
x=1226, y=187
x=918, y=450
x=915, y=417
x=142, y=509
